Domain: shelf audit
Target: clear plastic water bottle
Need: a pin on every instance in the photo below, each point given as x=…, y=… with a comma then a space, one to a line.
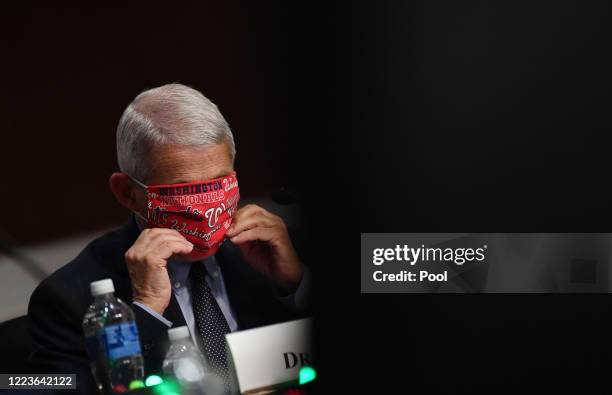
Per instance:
x=185, y=363
x=111, y=339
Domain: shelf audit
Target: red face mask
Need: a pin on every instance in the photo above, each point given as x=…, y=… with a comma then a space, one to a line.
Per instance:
x=201, y=211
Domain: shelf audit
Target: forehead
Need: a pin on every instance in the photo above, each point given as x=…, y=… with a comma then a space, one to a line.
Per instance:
x=177, y=164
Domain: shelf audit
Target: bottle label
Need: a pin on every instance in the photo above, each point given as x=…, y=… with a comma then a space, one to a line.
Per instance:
x=121, y=340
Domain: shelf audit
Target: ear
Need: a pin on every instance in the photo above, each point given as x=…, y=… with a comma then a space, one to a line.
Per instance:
x=124, y=190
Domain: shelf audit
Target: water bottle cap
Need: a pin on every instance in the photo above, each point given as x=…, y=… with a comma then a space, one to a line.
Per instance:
x=181, y=332
x=102, y=287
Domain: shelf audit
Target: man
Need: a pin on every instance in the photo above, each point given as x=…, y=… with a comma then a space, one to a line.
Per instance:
x=241, y=273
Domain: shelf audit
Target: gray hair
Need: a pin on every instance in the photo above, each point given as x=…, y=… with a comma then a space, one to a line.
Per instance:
x=169, y=114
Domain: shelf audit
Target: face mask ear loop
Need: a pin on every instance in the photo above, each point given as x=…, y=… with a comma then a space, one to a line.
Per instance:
x=140, y=216
x=140, y=184
x=137, y=182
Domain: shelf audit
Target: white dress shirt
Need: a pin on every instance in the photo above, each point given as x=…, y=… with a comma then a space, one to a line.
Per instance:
x=181, y=288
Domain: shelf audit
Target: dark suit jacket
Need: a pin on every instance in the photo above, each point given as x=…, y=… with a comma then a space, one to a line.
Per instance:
x=58, y=305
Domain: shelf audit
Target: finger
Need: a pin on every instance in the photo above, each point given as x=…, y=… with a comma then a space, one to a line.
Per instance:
x=159, y=232
x=151, y=233
x=152, y=237
x=249, y=223
x=169, y=248
x=153, y=244
x=253, y=210
x=249, y=210
x=257, y=233
x=161, y=237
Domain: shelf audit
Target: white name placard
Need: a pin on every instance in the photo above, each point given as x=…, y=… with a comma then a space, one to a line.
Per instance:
x=271, y=356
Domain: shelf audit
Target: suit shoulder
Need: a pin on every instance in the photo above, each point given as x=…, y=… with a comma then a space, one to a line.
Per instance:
x=70, y=283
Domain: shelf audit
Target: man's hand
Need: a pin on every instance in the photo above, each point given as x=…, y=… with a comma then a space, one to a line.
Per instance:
x=146, y=261
x=265, y=244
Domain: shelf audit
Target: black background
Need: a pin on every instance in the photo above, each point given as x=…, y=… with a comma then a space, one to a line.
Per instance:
x=483, y=116
x=387, y=117
x=487, y=115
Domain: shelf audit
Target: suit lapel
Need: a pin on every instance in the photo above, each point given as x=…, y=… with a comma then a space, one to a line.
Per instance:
x=174, y=313
x=237, y=284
